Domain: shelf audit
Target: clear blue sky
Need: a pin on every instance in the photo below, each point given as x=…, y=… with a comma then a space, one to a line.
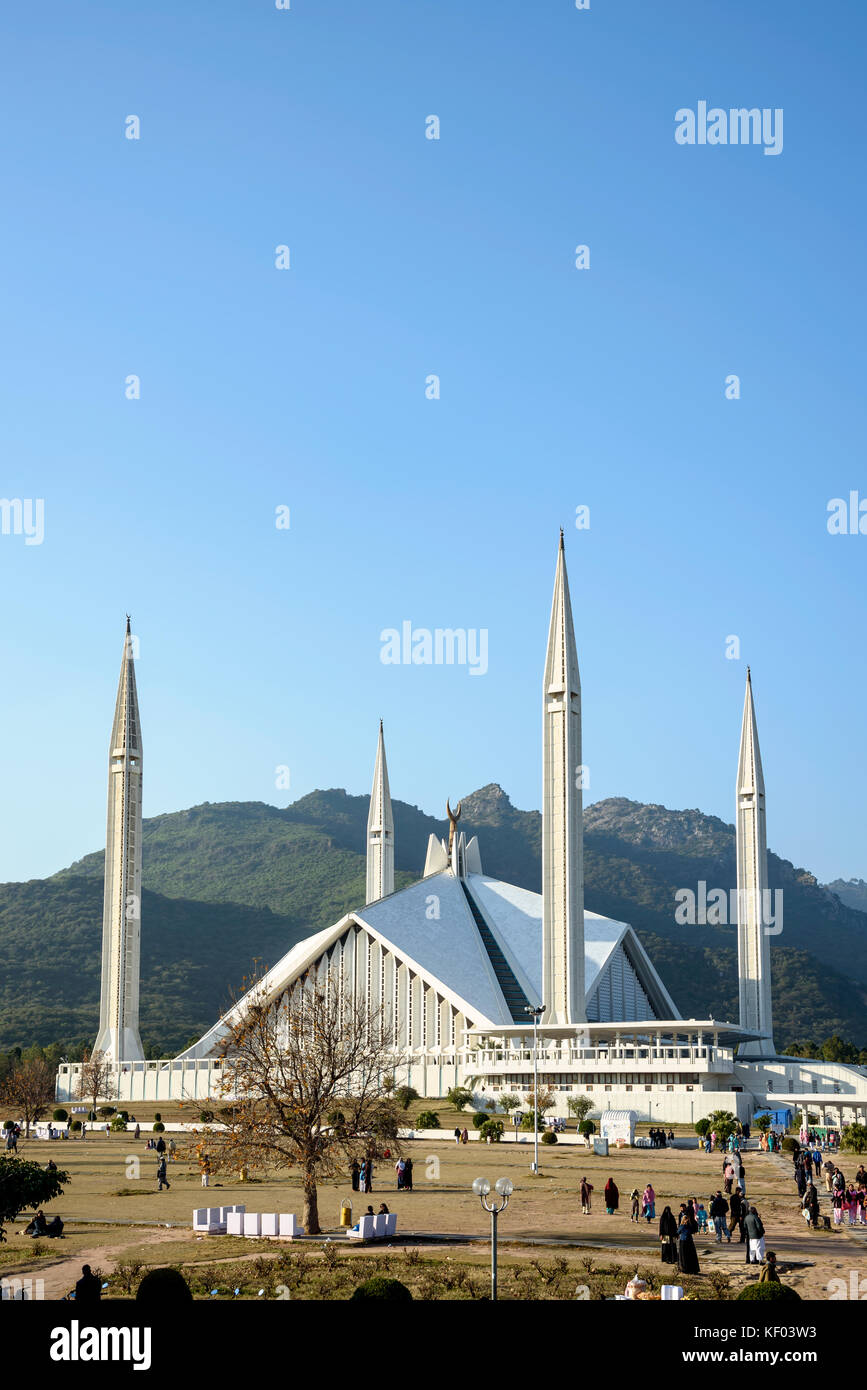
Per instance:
x=306, y=387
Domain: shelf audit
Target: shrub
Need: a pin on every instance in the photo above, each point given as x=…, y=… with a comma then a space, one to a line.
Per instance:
x=158, y=1116
x=164, y=1286
x=587, y=1127
x=379, y=1287
x=768, y=1293
x=492, y=1128
x=405, y=1095
x=60, y=1114
x=124, y=1115
x=549, y=1137
x=106, y=1111
x=91, y=1116
x=528, y=1120
x=206, y=1117
x=702, y=1127
x=459, y=1097
x=75, y=1126
x=9, y=1124
x=118, y=1124
x=479, y=1119
x=790, y=1145
x=428, y=1119
x=159, y=1126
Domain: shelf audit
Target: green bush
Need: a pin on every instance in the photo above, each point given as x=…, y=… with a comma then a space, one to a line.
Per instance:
x=158, y=1127
x=158, y=1116
x=702, y=1127
x=459, y=1097
x=427, y=1119
x=60, y=1114
x=492, y=1128
x=405, y=1095
x=164, y=1286
x=549, y=1137
x=124, y=1115
x=479, y=1119
x=106, y=1111
x=587, y=1127
x=768, y=1293
x=528, y=1120
x=91, y=1116
x=118, y=1124
x=8, y=1124
x=790, y=1145
x=380, y=1287
x=75, y=1126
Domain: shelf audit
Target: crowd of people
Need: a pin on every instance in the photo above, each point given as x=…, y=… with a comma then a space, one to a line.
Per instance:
x=848, y=1199
x=659, y=1139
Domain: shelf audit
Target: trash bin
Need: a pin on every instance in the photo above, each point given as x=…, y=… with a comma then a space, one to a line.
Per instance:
x=346, y=1212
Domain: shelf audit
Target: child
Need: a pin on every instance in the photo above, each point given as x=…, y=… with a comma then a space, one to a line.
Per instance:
x=702, y=1218
x=635, y=1198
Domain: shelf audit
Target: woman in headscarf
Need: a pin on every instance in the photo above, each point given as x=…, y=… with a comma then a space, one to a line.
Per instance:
x=586, y=1191
x=668, y=1237
x=649, y=1204
x=612, y=1197
x=687, y=1259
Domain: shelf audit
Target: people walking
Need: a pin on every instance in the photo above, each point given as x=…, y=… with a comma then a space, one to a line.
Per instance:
x=399, y=1168
x=204, y=1165
x=457, y=1134
x=612, y=1197
x=719, y=1209
x=586, y=1194
x=635, y=1199
x=162, y=1180
x=407, y=1176
x=353, y=1174
x=649, y=1200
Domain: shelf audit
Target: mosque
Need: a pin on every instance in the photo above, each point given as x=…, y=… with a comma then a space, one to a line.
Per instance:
x=480, y=978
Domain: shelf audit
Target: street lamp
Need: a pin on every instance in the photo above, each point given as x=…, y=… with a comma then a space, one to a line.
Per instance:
x=503, y=1187
x=537, y=1012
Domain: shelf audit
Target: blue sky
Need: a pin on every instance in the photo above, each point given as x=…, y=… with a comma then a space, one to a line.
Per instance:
x=306, y=388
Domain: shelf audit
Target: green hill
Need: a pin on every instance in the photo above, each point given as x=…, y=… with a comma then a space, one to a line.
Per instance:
x=226, y=883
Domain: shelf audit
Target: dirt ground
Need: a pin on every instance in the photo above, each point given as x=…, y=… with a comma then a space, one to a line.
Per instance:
x=113, y=1181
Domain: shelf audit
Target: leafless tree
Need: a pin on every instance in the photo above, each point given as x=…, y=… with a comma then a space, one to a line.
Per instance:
x=29, y=1088
x=96, y=1079
x=305, y=1075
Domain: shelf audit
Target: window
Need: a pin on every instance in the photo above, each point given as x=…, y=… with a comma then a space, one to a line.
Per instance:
x=669, y=1088
x=629, y=1088
x=648, y=1088
x=608, y=1088
x=690, y=1088
x=588, y=1088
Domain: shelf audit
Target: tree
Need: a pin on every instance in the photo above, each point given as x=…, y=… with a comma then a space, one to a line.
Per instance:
x=547, y=1099
x=855, y=1137
x=509, y=1102
x=30, y=1087
x=427, y=1119
x=96, y=1079
x=725, y=1123
x=459, y=1097
x=587, y=1127
x=491, y=1129
x=580, y=1107
x=288, y=1065
x=405, y=1095
x=702, y=1127
x=25, y=1186
x=761, y=1122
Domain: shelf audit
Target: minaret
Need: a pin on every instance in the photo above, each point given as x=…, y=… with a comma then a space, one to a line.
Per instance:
x=754, y=946
x=380, y=831
x=118, y=1038
x=562, y=817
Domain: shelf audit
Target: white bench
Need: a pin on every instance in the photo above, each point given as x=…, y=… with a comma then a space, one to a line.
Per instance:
x=214, y=1220
x=288, y=1225
x=270, y=1223
x=365, y=1230
x=671, y=1292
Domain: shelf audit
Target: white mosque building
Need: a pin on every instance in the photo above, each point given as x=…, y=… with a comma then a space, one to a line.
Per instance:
x=464, y=965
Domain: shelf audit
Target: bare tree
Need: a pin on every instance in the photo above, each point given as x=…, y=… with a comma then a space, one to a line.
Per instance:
x=96, y=1079
x=305, y=1075
x=30, y=1088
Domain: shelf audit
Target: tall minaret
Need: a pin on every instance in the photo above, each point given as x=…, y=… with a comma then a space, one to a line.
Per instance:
x=380, y=831
x=754, y=946
x=118, y=1038
x=562, y=817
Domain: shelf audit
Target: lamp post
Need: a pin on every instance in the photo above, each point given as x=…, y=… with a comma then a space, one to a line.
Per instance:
x=537, y=1012
x=482, y=1187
